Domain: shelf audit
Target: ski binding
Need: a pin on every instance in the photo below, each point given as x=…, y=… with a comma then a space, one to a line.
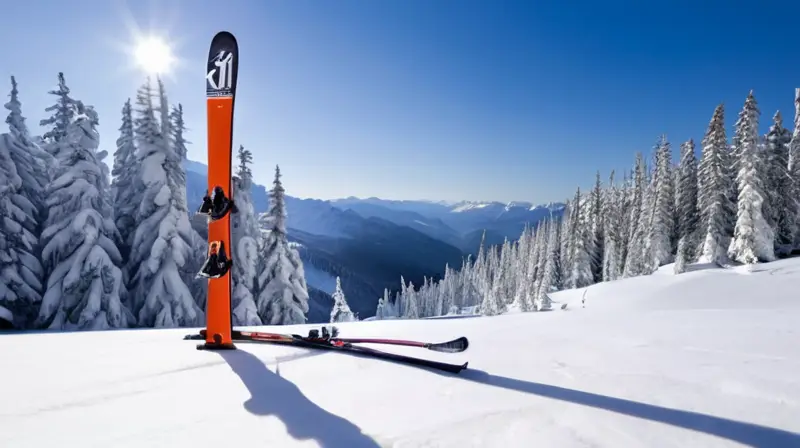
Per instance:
x=217, y=205
x=328, y=332
x=217, y=264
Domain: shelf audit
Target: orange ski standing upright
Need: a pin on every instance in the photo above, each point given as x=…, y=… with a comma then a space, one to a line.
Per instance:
x=221, y=75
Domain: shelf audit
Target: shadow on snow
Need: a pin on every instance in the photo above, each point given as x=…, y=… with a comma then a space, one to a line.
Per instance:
x=273, y=395
x=737, y=431
x=270, y=394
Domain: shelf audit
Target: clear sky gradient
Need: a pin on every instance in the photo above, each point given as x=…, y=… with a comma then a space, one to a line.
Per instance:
x=426, y=99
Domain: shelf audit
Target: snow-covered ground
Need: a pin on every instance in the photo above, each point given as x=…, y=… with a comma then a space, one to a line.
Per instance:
x=705, y=359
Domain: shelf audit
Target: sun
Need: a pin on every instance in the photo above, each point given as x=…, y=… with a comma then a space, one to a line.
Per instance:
x=153, y=55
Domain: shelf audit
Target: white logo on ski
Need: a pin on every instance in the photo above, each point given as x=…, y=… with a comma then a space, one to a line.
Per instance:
x=225, y=66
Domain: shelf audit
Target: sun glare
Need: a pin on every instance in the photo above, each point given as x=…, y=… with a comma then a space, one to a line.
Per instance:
x=153, y=55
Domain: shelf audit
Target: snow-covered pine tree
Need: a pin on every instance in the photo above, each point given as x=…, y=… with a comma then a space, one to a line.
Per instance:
x=781, y=204
x=436, y=289
x=753, y=237
x=410, y=305
x=794, y=165
x=717, y=212
x=283, y=294
x=581, y=268
x=543, y=249
x=162, y=241
x=382, y=310
x=389, y=307
x=341, y=310
x=540, y=250
x=425, y=298
x=527, y=261
x=80, y=250
x=427, y=293
x=63, y=113
x=449, y=290
x=164, y=114
x=538, y=258
x=245, y=237
x=550, y=270
x=32, y=161
x=400, y=298
x=433, y=299
x=596, y=243
x=634, y=262
x=505, y=273
x=687, y=212
x=492, y=302
x=564, y=261
x=647, y=219
x=468, y=293
x=612, y=231
x=422, y=298
x=198, y=244
x=379, y=309
x=627, y=197
x=557, y=282
x=522, y=268
x=480, y=274
x=20, y=271
x=23, y=177
x=178, y=129
x=660, y=229
x=527, y=290
x=125, y=192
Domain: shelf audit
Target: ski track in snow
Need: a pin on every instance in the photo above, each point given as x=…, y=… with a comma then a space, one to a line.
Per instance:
x=705, y=359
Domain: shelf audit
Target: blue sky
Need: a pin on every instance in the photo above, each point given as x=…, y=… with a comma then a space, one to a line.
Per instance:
x=443, y=99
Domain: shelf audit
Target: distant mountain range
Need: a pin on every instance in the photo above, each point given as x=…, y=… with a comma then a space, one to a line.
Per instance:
x=369, y=243
x=461, y=224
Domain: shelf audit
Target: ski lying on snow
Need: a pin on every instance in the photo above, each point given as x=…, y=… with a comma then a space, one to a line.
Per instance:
x=455, y=346
x=346, y=345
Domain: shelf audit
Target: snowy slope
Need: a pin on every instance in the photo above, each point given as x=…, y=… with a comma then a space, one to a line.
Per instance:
x=705, y=359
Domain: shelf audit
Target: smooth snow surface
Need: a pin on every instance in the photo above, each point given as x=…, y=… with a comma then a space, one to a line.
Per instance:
x=708, y=358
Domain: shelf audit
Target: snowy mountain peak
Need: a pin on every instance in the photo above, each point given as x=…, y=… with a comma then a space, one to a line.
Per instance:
x=465, y=206
x=551, y=206
x=516, y=204
x=470, y=205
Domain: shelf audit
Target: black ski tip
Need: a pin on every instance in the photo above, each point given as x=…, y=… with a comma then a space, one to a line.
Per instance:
x=222, y=66
x=454, y=368
x=454, y=346
x=224, y=36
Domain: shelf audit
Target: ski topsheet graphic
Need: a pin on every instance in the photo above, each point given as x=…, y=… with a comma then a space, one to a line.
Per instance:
x=221, y=74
